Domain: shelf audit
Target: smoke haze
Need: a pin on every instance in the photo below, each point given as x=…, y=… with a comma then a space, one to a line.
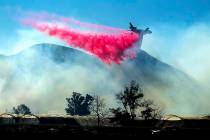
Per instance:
x=43, y=84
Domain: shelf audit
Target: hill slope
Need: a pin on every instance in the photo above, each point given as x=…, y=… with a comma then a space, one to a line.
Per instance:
x=51, y=72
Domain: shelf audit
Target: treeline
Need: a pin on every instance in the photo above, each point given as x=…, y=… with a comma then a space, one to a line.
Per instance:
x=131, y=105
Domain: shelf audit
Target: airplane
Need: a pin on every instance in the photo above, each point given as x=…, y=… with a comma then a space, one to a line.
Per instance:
x=139, y=31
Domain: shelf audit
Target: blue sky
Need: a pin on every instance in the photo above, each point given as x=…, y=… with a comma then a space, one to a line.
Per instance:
x=112, y=12
x=109, y=12
x=176, y=25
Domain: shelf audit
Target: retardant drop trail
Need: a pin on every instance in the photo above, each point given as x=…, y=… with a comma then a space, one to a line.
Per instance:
x=109, y=46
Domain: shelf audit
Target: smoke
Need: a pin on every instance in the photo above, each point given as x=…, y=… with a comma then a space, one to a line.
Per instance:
x=186, y=48
x=43, y=84
x=36, y=81
x=108, y=44
x=41, y=80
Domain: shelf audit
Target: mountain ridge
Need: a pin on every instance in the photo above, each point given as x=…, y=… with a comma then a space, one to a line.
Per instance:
x=50, y=69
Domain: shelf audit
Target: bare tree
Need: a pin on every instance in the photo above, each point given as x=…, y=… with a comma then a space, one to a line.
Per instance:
x=98, y=108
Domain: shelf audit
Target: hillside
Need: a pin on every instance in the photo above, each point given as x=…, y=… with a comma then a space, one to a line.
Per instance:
x=49, y=71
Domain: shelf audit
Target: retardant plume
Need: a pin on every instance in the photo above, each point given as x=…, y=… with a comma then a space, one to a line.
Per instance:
x=108, y=44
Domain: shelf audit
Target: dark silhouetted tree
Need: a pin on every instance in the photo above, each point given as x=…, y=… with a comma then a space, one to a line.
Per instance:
x=150, y=111
x=78, y=104
x=98, y=108
x=132, y=101
x=21, y=109
x=130, y=98
x=120, y=115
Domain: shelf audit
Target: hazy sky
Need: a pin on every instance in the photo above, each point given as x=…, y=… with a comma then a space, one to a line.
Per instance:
x=170, y=21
